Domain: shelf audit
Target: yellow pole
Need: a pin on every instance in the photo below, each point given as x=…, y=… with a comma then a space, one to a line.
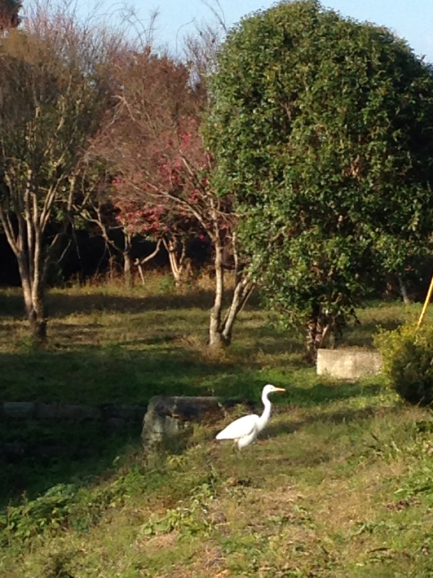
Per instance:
x=426, y=304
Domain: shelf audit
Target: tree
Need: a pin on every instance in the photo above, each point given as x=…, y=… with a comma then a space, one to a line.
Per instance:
x=139, y=214
x=178, y=178
x=164, y=171
x=322, y=128
x=54, y=90
x=9, y=14
x=152, y=96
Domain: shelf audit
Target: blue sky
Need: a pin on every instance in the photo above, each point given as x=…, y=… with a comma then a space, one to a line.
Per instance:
x=412, y=20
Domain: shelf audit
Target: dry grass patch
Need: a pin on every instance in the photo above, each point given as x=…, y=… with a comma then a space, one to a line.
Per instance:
x=345, y=503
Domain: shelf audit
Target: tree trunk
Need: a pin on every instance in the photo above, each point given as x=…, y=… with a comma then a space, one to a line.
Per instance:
x=37, y=320
x=310, y=340
x=33, y=286
x=127, y=261
x=176, y=259
x=241, y=294
x=316, y=333
x=140, y=270
x=403, y=291
x=144, y=260
x=220, y=331
x=127, y=268
x=216, y=339
x=24, y=231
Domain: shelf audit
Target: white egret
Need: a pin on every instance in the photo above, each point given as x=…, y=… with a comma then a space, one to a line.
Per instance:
x=245, y=429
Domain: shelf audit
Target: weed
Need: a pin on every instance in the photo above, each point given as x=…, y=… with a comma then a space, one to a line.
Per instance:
x=191, y=517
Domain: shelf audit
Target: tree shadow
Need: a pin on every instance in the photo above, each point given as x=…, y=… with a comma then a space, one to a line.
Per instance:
x=325, y=392
x=274, y=343
x=36, y=456
x=336, y=417
x=362, y=335
x=318, y=395
x=94, y=374
x=62, y=305
x=11, y=305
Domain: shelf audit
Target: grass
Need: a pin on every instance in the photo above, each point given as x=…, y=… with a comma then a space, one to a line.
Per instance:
x=339, y=485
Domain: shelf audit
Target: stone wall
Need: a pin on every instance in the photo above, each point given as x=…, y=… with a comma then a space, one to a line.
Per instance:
x=115, y=416
x=166, y=419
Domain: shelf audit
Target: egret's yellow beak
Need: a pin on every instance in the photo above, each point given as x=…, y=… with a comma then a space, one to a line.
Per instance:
x=279, y=389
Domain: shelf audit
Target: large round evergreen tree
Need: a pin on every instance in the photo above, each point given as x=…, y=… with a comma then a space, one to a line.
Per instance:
x=323, y=129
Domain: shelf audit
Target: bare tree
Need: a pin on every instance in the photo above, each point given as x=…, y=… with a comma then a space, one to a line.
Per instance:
x=154, y=142
x=201, y=52
x=54, y=89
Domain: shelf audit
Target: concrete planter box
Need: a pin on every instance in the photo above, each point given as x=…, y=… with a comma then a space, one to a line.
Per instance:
x=350, y=364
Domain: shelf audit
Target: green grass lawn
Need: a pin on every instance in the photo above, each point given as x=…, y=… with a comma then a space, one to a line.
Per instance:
x=339, y=485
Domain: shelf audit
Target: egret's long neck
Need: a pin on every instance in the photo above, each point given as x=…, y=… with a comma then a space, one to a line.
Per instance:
x=264, y=418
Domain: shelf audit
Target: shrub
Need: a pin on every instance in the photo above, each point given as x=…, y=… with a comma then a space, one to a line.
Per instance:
x=408, y=362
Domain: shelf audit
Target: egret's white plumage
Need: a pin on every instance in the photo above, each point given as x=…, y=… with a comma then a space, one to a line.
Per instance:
x=245, y=429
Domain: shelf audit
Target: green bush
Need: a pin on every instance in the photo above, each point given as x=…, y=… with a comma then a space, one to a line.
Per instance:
x=408, y=362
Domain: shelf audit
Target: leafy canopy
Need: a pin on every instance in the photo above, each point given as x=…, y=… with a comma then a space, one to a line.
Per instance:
x=322, y=127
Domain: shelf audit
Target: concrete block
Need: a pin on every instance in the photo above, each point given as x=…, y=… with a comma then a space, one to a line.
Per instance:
x=350, y=364
x=169, y=417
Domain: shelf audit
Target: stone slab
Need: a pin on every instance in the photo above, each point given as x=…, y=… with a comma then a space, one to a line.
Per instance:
x=349, y=364
x=67, y=411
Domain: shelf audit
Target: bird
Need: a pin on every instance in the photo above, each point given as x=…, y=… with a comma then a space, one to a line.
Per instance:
x=245, y=429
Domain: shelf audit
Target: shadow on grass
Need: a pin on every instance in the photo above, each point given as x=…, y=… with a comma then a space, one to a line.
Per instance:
x=323, y=393
x=36, y=456
x=336, y=417
x=98, y=375
x=11, y=306
x=44, y=455
x=278, y=344
x=317, y=395
x=61, y=305
x=363, y=335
